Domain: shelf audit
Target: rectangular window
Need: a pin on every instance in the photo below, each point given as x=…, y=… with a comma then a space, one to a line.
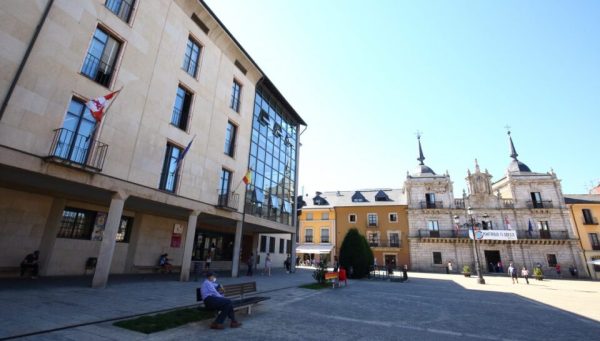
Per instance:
x=393, y=217
x=75, y=138
x=588, y=218
x=352, y=218
x=596, y=265
x=308, y=236
x=263, y=243
x=324, y=235
x=309, y=216
x=551, y=260
x=373, y=239
x=434, y=228
x=394, y=239
x=281, y=245
x=536, y=200
x=101, y=57
x=121, y=8
x=230, y=135
x=594, y=241
x=235, y=96
x=288, y=247
x=430, y=199
x=272, y=244
x=76, y=223
x=325, y=216
x=169, y=176
x=437, y=258
x=181, y=108
x=124, y=231
x=372, y=219
x=224, y=186
x=543, y=229
x=191, y=57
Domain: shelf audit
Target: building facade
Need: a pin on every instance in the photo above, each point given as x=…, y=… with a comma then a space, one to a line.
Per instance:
x=584, y=212
x=161, y=171
x=317, y=231
x=529, y=203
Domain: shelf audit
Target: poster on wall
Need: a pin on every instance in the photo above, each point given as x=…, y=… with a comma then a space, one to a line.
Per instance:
x=176, y=236
x=99, y=226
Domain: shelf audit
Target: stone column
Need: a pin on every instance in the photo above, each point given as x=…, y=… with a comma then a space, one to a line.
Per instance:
x=293, y=251
x=188, y=247
x=107, y=246
x=237, y=243
x=49, y=236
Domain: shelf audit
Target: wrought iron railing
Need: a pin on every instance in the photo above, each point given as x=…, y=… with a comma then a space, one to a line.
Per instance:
x=77, y=149
x=377, y=242
x=459, y=203
x=540, y=204
x=508, y=203
x=521, y=234
x=308, y=239
x=431, y=204
x=97, y=70
x=228, y=200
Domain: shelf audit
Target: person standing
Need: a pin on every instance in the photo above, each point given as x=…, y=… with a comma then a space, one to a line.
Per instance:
x=214, y=300
x=31, y=262
x=525, y=274
x=500, y=267
x=250, y=263
x=288, y=264
x=512, y=271
x=449, y=268
x=207, y=262
x=405, y=273
x=557, y=269
x=267, y=268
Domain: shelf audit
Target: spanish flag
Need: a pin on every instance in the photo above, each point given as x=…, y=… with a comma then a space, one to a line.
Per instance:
x=248, y=177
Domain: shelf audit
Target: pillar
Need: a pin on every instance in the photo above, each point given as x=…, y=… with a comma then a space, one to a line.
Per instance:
x=49, y=236
x=293, y=251
x=188, y=247
x=107, y=246
x=237, y=243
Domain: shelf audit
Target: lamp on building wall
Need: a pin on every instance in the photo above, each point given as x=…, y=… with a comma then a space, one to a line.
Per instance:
x=480, y=279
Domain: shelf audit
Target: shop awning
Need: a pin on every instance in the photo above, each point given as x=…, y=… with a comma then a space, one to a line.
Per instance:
x=314, y=248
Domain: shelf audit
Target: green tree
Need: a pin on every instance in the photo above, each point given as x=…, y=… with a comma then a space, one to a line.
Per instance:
x=356, y=254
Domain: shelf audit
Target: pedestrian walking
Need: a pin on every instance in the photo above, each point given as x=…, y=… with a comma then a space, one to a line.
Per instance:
x=250, y=264
x=525, y=274
x=512, y=271
x=405, y=273
x=557, y=270
x=207, y=262
x=449, y=268
x=500, y=267
x=267, y=268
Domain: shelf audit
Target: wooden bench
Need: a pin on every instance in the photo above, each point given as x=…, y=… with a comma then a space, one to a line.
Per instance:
x=236, y=293
x=10, y=271
x=155, y=268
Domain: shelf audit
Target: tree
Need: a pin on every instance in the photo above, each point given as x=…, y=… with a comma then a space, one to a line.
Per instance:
x=356, y=254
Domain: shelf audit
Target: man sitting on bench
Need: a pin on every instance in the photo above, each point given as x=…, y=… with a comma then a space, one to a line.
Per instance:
x=31, y=262
x=214, y=300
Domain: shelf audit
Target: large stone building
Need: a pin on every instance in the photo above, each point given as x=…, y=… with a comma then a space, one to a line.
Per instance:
x=530, y=203
x=119, y=189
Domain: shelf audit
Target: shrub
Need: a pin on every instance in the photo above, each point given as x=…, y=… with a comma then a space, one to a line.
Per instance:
x=466, y=269
x=355, y=254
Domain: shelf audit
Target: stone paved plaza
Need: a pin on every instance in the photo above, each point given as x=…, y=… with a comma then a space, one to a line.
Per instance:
x=428, y=307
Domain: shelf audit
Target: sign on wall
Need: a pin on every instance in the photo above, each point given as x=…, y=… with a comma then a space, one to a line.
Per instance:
x=99, y=226
x=494, y=234
x=176, y=236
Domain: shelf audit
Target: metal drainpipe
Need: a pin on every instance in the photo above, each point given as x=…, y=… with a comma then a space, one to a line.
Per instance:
x=13, y=84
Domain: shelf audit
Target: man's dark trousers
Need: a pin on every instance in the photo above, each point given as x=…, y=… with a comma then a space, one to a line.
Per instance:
x=222, y=304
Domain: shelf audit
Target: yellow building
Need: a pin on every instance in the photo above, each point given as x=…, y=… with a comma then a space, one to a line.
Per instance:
x=584, y=211
x=316, y=234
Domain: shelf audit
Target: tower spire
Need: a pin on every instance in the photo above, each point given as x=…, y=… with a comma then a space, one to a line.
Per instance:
x=421, y=157
x=513, y=151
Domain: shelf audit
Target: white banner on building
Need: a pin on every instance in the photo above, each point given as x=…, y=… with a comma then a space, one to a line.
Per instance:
x=494, y=234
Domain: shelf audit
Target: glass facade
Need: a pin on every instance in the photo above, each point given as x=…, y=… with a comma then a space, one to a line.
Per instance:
x=271, y=192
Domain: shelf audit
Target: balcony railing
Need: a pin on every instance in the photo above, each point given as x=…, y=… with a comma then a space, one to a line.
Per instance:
x=431, y=204
x=228, y=200
x=77, y=149
x=372, y=224
x=508, y=203
x=521, y=234
x=589, y=220
x=459, y=203
x=462, y=233
x=97, y=70
x=540, y=204
x=308, y=239
x=542, y=234
x=384, y=243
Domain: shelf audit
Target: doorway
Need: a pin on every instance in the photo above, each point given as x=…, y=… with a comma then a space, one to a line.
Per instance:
x=492, y=258
x=390, y=260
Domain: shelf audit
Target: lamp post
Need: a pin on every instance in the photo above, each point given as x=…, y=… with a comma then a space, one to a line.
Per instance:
x=480, y=279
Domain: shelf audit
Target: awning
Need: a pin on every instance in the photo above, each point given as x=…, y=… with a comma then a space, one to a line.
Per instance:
x=314, y=248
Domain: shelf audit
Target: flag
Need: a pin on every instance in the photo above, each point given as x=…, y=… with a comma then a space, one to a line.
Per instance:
x=182, y=155
x=97, y=105
x=248, y=177
x=507, y=223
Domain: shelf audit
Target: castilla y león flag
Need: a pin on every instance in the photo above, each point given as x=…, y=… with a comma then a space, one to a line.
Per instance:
x=98, y=105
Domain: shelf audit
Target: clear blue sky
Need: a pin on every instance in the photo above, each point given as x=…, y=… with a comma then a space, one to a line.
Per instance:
x=366, y=76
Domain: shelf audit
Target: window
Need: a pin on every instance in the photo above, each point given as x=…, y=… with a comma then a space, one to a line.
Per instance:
x=272, y=244
x=75, y=138
x=434, y=228
x=352, y=218
x=308, y=236
x=536, y=199
x=124, y=231
x=230, y=135
x=191, y=57
x=235, y=96
x=594, y=241
x=551, y=260
x=101, y=58
x=224, y=187
x=373, y=238
x=543, y=229
x=325, y=216
x=393, y=217
x=437, y=258
x=263, y=243
x=430, y=200
x=324, y=235
x=381, y=196
x=596, y=266
x=121, y=8
x=358, y=197
x=588, y=219
x=281, y=245
x=309, y=216
x=76, y=223
x=288, y=246
x=181, y=109
x=372, y=219
x=169, y=176
x=394, y=238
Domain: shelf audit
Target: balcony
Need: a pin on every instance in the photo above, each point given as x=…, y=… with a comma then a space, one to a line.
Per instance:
x=432, y=204
x=228, y=201
x=589, y=220
x=521, y=234
x=77, y=150
x=508, y=203
x=372, y=224
x=462, y=233
x=540, y=204
x=384, y=243
x=459, y=203
x=543, y=234
x=308, y=239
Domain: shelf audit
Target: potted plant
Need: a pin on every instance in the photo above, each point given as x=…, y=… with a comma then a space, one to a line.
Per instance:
x=538, y=274
x=466, y=271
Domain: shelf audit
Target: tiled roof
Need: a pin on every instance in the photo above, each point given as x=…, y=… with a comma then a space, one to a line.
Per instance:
x=344, y=198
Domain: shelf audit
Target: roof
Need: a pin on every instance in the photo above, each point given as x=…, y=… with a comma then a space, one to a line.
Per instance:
x=582, y=198
x=518, y=166
x=344, y=198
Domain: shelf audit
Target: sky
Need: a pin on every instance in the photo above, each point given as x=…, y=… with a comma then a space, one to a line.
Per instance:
x=367, y=76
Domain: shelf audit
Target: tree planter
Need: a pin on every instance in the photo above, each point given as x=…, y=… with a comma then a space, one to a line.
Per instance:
x=467, y=274
x=466, y=271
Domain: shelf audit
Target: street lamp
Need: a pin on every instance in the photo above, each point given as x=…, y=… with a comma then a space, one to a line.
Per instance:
x=480, y=279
